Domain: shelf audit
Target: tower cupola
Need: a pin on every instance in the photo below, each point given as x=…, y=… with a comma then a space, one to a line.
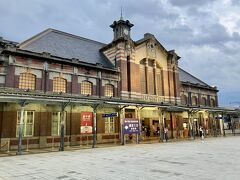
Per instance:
x=121, y=29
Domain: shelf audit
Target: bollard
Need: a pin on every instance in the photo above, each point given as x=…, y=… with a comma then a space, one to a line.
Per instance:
x=27, y=145
x=87, y=140
x=52, y=143
x=79, y=140
x=8, y=146
x=68, y=141
x=115, y=139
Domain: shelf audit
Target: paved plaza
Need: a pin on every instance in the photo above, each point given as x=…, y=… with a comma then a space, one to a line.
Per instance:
x=216, y=158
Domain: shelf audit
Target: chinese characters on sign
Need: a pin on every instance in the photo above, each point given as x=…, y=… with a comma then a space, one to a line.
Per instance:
x=131, y=126
x=86, y=122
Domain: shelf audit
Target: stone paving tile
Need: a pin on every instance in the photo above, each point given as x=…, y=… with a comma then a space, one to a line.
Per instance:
x=216, y=158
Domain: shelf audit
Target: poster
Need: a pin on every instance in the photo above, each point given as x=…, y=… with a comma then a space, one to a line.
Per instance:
x=131, y=126
x=86, y=122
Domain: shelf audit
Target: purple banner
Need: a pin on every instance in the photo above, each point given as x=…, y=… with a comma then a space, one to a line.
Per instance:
x=131, y=126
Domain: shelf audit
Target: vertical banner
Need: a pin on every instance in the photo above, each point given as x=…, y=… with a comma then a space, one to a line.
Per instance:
x=86, y=123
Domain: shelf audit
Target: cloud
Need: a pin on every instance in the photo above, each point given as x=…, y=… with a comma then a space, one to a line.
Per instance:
x=189, y=2
x=235, y=2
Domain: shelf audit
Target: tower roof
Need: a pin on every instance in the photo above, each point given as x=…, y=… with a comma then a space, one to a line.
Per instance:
x=123, y=22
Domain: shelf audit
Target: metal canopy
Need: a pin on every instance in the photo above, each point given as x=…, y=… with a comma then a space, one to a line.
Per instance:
x=17, y=95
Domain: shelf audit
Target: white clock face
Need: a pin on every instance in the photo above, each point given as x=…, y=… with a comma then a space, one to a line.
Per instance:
x=125, y=31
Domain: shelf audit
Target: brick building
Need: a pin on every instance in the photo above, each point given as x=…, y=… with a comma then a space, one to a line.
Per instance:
x=54, y=83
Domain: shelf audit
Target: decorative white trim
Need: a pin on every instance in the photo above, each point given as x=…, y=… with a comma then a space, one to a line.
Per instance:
x=36, y=72
x=109, y=81
x=68, y=77
x=90, y=79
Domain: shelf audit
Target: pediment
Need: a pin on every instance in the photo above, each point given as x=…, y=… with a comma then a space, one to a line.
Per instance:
x=155, y=51
x=152, y=44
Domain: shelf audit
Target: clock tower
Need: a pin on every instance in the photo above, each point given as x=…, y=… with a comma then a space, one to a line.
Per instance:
x=121, y=29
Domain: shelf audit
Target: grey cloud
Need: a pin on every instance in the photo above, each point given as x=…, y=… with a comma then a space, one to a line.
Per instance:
x=236, y=36
x=212, y=65
x=149, y=8
x=212, y=34
x=235, y=2
x=189, y=2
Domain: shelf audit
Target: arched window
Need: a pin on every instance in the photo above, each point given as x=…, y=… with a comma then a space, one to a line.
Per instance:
x=109, y=90
x=86, y=88
x=212, y=103
x=59, y=84
x=184, y=99
x=194, y=101
x=27, y=81
x=204, y=101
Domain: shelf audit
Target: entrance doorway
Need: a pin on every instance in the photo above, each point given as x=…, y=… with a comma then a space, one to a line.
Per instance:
x=150, y=129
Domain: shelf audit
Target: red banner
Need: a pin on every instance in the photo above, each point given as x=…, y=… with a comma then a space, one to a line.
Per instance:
x=86, y=122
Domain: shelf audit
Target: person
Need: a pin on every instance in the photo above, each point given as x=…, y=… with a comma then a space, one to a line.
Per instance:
x=144, y=132
x=148, y=132
x=201, y=130
x=158, y=131
x=130, y=137
x=166, y=133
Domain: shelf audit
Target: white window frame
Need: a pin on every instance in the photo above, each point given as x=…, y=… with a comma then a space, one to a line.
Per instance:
x=58, y=123
x=109, y=125
x=25, y=123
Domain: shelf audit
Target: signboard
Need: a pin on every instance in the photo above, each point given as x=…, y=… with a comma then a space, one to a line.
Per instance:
x=131, y=126
x=86, y=122
x=115, y=114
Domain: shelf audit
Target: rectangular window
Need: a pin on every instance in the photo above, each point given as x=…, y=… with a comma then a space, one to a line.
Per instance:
x=150, y=80
x=128, y=74
x=109, y=125
x=28, y=123
x=143, y=79
x=159, y=84
x=56, y=123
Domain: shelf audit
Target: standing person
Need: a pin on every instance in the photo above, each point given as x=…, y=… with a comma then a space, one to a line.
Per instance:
x=148, y=132
x=166, y=133
x=201, y=130
x=144, y=130
x=158, y=131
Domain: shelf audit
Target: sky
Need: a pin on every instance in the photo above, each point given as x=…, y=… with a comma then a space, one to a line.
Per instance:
x=204, y=33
